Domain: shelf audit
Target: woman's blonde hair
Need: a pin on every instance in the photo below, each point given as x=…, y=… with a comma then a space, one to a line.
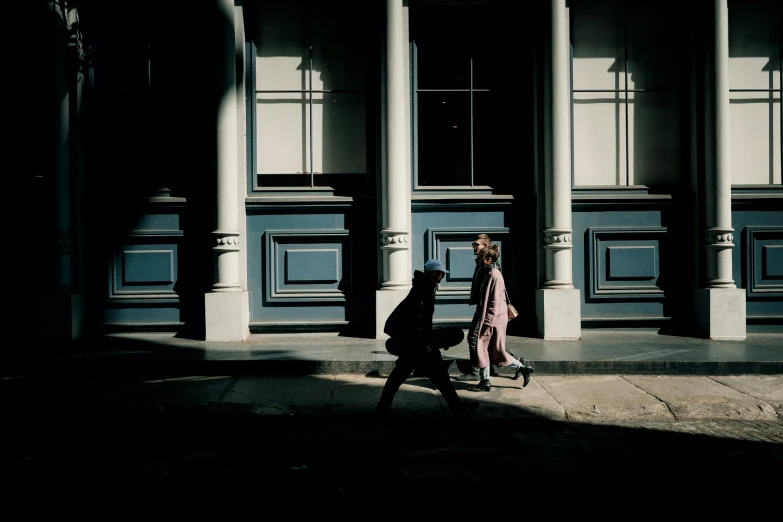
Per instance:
x=490, y=252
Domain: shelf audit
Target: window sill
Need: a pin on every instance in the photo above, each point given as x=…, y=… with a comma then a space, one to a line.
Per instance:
x=756, y=192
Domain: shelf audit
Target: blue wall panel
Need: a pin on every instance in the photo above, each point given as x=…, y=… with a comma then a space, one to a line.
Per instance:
x=757, y=257
x=627, y=263
x=142, y=287
x=299, y=267
x=446, y=232
x=620, y=261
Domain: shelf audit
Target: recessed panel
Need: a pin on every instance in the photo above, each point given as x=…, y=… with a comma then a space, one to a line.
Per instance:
x=148, y=267
x=312, y=266
x=307, y=265
x=772, y=259
x=631, y=262
x=625, y=262
x=453, y=247
x=765, y=261
x=460, y=262
x=144, y=271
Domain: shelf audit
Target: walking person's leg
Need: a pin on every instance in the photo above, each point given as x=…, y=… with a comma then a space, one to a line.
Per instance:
x=402, y=370
x=473, y=332
x=482, y=353
x=436, y=373
x=406, y=362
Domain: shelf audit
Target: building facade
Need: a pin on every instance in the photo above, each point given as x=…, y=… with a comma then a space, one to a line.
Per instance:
x=239, y=167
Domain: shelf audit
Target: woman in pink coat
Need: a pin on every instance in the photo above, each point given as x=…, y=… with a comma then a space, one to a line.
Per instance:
x=494, y=319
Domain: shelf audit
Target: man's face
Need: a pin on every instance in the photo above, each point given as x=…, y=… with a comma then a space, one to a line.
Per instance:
x=439, y=276
x=477, y=245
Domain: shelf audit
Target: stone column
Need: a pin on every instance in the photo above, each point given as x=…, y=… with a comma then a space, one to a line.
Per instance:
x=720, y=305
x=227, y=305
x=62, y=307
x=395, y=185
x=558, y=302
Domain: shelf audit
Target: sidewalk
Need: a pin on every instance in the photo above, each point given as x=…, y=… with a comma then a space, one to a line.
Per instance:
x=156, y=392
x=123, y=431
x=599, y=352
x=607, y=377
x=614, y=399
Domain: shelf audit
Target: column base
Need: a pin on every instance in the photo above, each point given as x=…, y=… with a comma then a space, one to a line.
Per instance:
x=720, y=313
x=385, y=303
x=60, y=317
x=559, y=314
x=227, y=316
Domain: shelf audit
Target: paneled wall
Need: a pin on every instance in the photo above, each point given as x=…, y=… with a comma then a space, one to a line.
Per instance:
x=445, y=231
x=143, y=286
x=311, y=266
x=758, y=258
x=632, y=261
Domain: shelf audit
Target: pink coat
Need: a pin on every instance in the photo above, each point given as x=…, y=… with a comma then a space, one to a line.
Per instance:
x=494, y=319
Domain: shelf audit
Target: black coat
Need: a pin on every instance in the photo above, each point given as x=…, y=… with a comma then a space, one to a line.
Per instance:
x=413, y=316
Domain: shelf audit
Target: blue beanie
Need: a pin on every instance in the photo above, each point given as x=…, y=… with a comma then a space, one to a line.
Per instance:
x=435, y=264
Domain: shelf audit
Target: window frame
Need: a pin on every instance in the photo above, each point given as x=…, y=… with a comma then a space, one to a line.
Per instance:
x=424, y=191
x=254, y=188
x=625, y=91
x=771, y=92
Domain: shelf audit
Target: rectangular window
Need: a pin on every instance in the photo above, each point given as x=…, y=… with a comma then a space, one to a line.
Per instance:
x=626, y=113
x=471, y=95
x=754, y=85
x=310, y=92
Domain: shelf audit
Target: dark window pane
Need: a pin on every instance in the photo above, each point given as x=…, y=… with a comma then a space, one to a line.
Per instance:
x=441, y=38
x=501, y=138
x=443, y=138
x=496, y=47
x=441, y=68
x=482, y=141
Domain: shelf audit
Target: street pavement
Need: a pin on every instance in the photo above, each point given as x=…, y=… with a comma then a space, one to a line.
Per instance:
x=161, y=448
x=284, y=426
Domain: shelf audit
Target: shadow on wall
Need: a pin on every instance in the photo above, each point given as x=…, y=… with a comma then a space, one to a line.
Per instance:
x=146, y=127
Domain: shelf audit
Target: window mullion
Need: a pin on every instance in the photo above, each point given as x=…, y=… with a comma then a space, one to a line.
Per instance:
x=310, y=101
x=625, y=71
x=472, y=183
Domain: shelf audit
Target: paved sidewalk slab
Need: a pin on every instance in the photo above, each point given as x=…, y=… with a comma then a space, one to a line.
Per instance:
x=507, y=399
x=359, y=394
x=270, y=395
x=692, y=398
x=603, y=398
x=180, y=395
x=767, y=388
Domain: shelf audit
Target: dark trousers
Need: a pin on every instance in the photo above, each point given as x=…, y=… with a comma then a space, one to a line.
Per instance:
x=410, y=350
x=473, y=334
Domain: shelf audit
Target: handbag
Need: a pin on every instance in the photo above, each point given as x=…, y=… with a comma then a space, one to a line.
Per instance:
x=512, y=312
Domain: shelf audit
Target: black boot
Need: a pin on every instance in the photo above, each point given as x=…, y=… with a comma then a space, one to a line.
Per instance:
x=482, y=386
x=524, y=371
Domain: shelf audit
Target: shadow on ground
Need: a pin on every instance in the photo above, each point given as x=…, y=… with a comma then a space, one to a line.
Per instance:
x=100, y=443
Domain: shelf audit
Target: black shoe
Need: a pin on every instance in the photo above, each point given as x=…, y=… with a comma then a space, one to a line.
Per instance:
x=465, y=408
x=524, y=371
x=467, y=376
x=482, y=386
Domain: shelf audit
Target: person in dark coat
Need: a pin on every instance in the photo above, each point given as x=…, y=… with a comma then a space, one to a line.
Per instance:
x=417, y=344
